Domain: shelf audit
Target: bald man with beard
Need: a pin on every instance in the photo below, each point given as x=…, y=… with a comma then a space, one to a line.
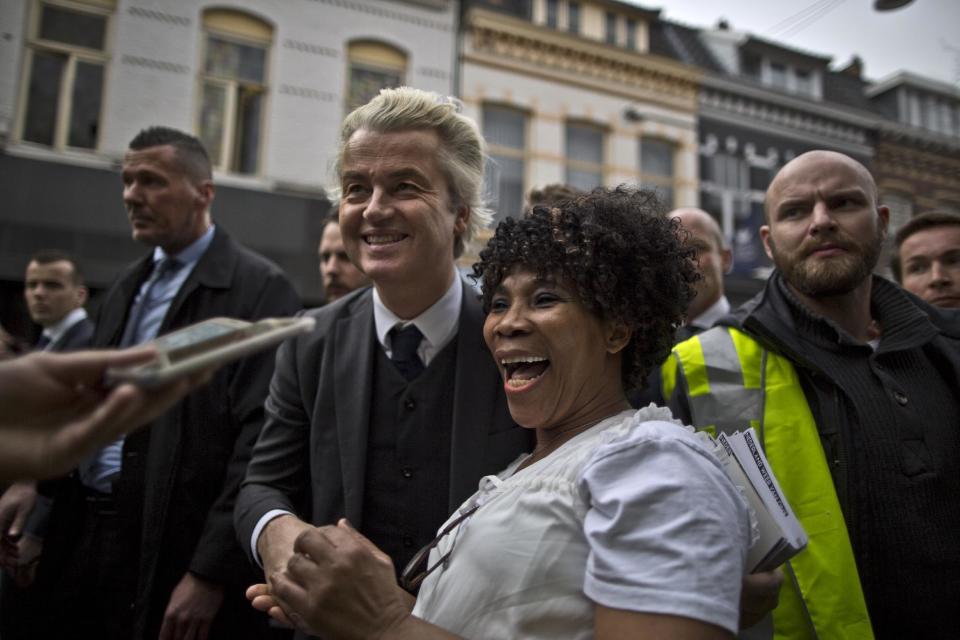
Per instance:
x=851, y=382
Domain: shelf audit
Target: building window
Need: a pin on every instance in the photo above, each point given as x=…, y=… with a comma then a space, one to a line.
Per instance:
x=584, y=153
x=631, y=34
x=656, y=168
x=66, y=59
x=373, y=66
x=505, y=131
x=914, y=117
x=946, y=119
x=234, y=89
x=803, y=82
x=573, y=17
x=611, y=28
x=778, y=75
x=750, y=65
x=552, y=7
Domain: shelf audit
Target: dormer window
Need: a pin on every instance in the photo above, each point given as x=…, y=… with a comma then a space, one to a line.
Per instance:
x=803, y=82
x=553, y=10
x=611, y=28
x=631, y=34
x=750, y=65
x=573, y=17
x=778, y=76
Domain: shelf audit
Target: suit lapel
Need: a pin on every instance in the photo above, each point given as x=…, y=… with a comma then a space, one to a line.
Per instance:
x=115, y=310
x=474, y=399
x=214, y=270
x=354, y=345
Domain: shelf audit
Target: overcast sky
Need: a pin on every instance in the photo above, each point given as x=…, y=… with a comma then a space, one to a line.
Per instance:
x=923, y=37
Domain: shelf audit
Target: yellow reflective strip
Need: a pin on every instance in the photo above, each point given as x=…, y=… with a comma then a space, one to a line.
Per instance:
x=749, y=351
x=668, y=375
x=825, y=570
x=690, y=353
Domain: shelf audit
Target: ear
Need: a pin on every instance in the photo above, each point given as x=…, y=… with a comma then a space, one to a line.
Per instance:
x=461, y=220
x=726, y=260
x=883, y=211
x=765, y=236
x=82, y=293
x=618, y=336
x=205, y=193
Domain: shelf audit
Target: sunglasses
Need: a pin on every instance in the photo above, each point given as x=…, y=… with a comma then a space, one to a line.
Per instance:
x=419, y=568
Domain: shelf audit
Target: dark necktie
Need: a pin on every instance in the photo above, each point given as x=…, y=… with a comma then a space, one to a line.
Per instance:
x=42, y=343
x=403, y=350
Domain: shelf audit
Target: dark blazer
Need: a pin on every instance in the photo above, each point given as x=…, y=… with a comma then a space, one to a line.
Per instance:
x=75, y=338
x=180, y=474
x=311, y=455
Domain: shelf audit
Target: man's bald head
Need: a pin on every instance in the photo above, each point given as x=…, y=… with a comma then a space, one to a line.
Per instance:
x=802, y=163
x=714, y=258
x=824, y=228
x=692, y=217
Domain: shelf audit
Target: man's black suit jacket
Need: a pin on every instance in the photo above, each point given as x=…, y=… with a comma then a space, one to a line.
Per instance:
x=181, y=473
x=77, y=337
x=311, y=455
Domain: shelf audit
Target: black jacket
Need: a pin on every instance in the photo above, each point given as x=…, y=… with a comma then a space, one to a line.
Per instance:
x=889, y=422
x=181, y=474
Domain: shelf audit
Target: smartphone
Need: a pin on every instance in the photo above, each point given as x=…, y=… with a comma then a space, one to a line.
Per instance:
x=207, y=344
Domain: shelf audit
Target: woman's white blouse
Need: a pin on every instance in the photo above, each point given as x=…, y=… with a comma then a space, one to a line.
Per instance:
x=634, y=513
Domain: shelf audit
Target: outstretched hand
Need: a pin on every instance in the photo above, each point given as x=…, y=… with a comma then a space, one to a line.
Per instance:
x=57, y=411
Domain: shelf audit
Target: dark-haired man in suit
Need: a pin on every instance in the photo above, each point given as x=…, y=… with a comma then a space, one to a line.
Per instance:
x=55, y=293
x=146, y=546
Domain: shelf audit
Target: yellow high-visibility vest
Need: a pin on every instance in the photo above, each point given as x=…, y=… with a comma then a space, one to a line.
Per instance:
x=732, y=382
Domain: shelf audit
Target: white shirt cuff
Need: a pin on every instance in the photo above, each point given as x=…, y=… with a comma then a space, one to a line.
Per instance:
x=261, y=523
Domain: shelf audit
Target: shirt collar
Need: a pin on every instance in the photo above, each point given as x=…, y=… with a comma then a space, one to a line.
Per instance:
x=712, y=313
x=437, y=324
x=191, y=255
x=55, y=332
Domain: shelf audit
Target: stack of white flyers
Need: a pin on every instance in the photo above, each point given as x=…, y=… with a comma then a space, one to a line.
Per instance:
x=781, y=536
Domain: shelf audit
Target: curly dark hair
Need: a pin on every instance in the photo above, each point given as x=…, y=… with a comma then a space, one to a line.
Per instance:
x=626, y=260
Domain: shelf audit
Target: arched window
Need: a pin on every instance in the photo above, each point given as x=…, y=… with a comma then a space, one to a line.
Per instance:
x=234, y=88
x=373, y=66
x=66, y=60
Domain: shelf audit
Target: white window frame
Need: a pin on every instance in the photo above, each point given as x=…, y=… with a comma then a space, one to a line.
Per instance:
x=75, y=54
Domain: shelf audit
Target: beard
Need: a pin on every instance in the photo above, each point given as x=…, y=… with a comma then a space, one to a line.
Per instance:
x=833, y=276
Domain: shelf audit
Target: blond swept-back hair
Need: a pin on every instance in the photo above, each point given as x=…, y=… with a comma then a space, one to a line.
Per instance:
x=460, y=155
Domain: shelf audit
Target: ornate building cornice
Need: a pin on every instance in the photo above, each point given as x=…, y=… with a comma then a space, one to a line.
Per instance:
x=789, y=120
x=519, y=46
x=918, y=138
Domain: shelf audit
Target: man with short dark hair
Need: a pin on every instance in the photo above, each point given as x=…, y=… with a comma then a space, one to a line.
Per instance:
x=145, y=543
x=340, y=276
x=926, y=258
x=852, y=385
x=55, y=294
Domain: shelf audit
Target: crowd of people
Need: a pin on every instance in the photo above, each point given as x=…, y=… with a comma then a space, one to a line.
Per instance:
x=526, y=463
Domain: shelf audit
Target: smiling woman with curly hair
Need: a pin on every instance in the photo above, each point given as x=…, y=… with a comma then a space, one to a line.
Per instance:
x=625, y=260
x=620, y=523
